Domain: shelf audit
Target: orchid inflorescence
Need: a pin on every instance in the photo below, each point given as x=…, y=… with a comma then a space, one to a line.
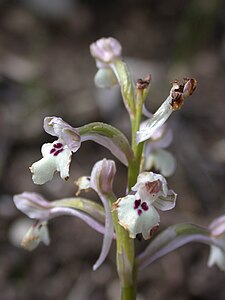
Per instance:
x=136, y=213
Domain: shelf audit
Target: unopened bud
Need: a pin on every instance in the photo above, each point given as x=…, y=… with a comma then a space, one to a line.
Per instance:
x=105, y=78
x=106, y=49
x=102, y=176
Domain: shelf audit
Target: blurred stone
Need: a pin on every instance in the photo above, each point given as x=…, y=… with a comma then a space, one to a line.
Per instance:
x=52, y=9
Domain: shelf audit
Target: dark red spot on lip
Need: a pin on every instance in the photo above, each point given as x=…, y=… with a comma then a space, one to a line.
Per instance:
x=57, y=152
x=137, y=203
x=144, y=206
x=52, y=150
x=139, y=212
x=58, y=145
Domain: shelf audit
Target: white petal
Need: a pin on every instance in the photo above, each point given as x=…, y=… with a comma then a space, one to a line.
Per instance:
x=105, y=78
x=217, y=227
x=161, y=160
x=63, y=161
x=83, y=183
x=143, y=191
x=102, y=176
x=33, y=205
x=36, y=234
x=133, y=222
x=217, y=256
x=157, y=120
x=166, y=203
x=44, y=169
x=66, y=133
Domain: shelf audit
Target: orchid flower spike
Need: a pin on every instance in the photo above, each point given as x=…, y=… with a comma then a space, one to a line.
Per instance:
x=56, y=155
x=137, y=213
x=217, y=255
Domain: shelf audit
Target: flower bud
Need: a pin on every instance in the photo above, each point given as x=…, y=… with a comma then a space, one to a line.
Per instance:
x=106, y=49
x=102, y=176
x=105, y=78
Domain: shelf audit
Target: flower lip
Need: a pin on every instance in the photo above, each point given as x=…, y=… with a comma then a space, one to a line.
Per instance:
x=137, y=213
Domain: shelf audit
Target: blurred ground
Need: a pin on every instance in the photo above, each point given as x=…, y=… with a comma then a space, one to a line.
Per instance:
x=46, y=69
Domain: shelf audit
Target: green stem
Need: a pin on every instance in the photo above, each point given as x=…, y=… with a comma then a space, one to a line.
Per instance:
x=125, y=245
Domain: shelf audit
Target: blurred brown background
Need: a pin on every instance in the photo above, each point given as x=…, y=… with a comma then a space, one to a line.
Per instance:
x=45, y=70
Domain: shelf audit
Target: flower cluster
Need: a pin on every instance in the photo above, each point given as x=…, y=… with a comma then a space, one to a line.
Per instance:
x=147, y=161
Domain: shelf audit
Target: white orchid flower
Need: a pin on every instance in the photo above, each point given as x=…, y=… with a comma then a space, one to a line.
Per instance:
x=56, y=155
x=137, y=213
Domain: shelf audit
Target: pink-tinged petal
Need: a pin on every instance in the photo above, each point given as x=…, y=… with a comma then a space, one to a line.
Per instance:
x=145, y=112
x=162, y=138
x=67, y=134
x=33, y=205
x=166, y=203
x=102, y=176
x=106, y=49
x=36, y=207
x=217, y=227
x=61, y=211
